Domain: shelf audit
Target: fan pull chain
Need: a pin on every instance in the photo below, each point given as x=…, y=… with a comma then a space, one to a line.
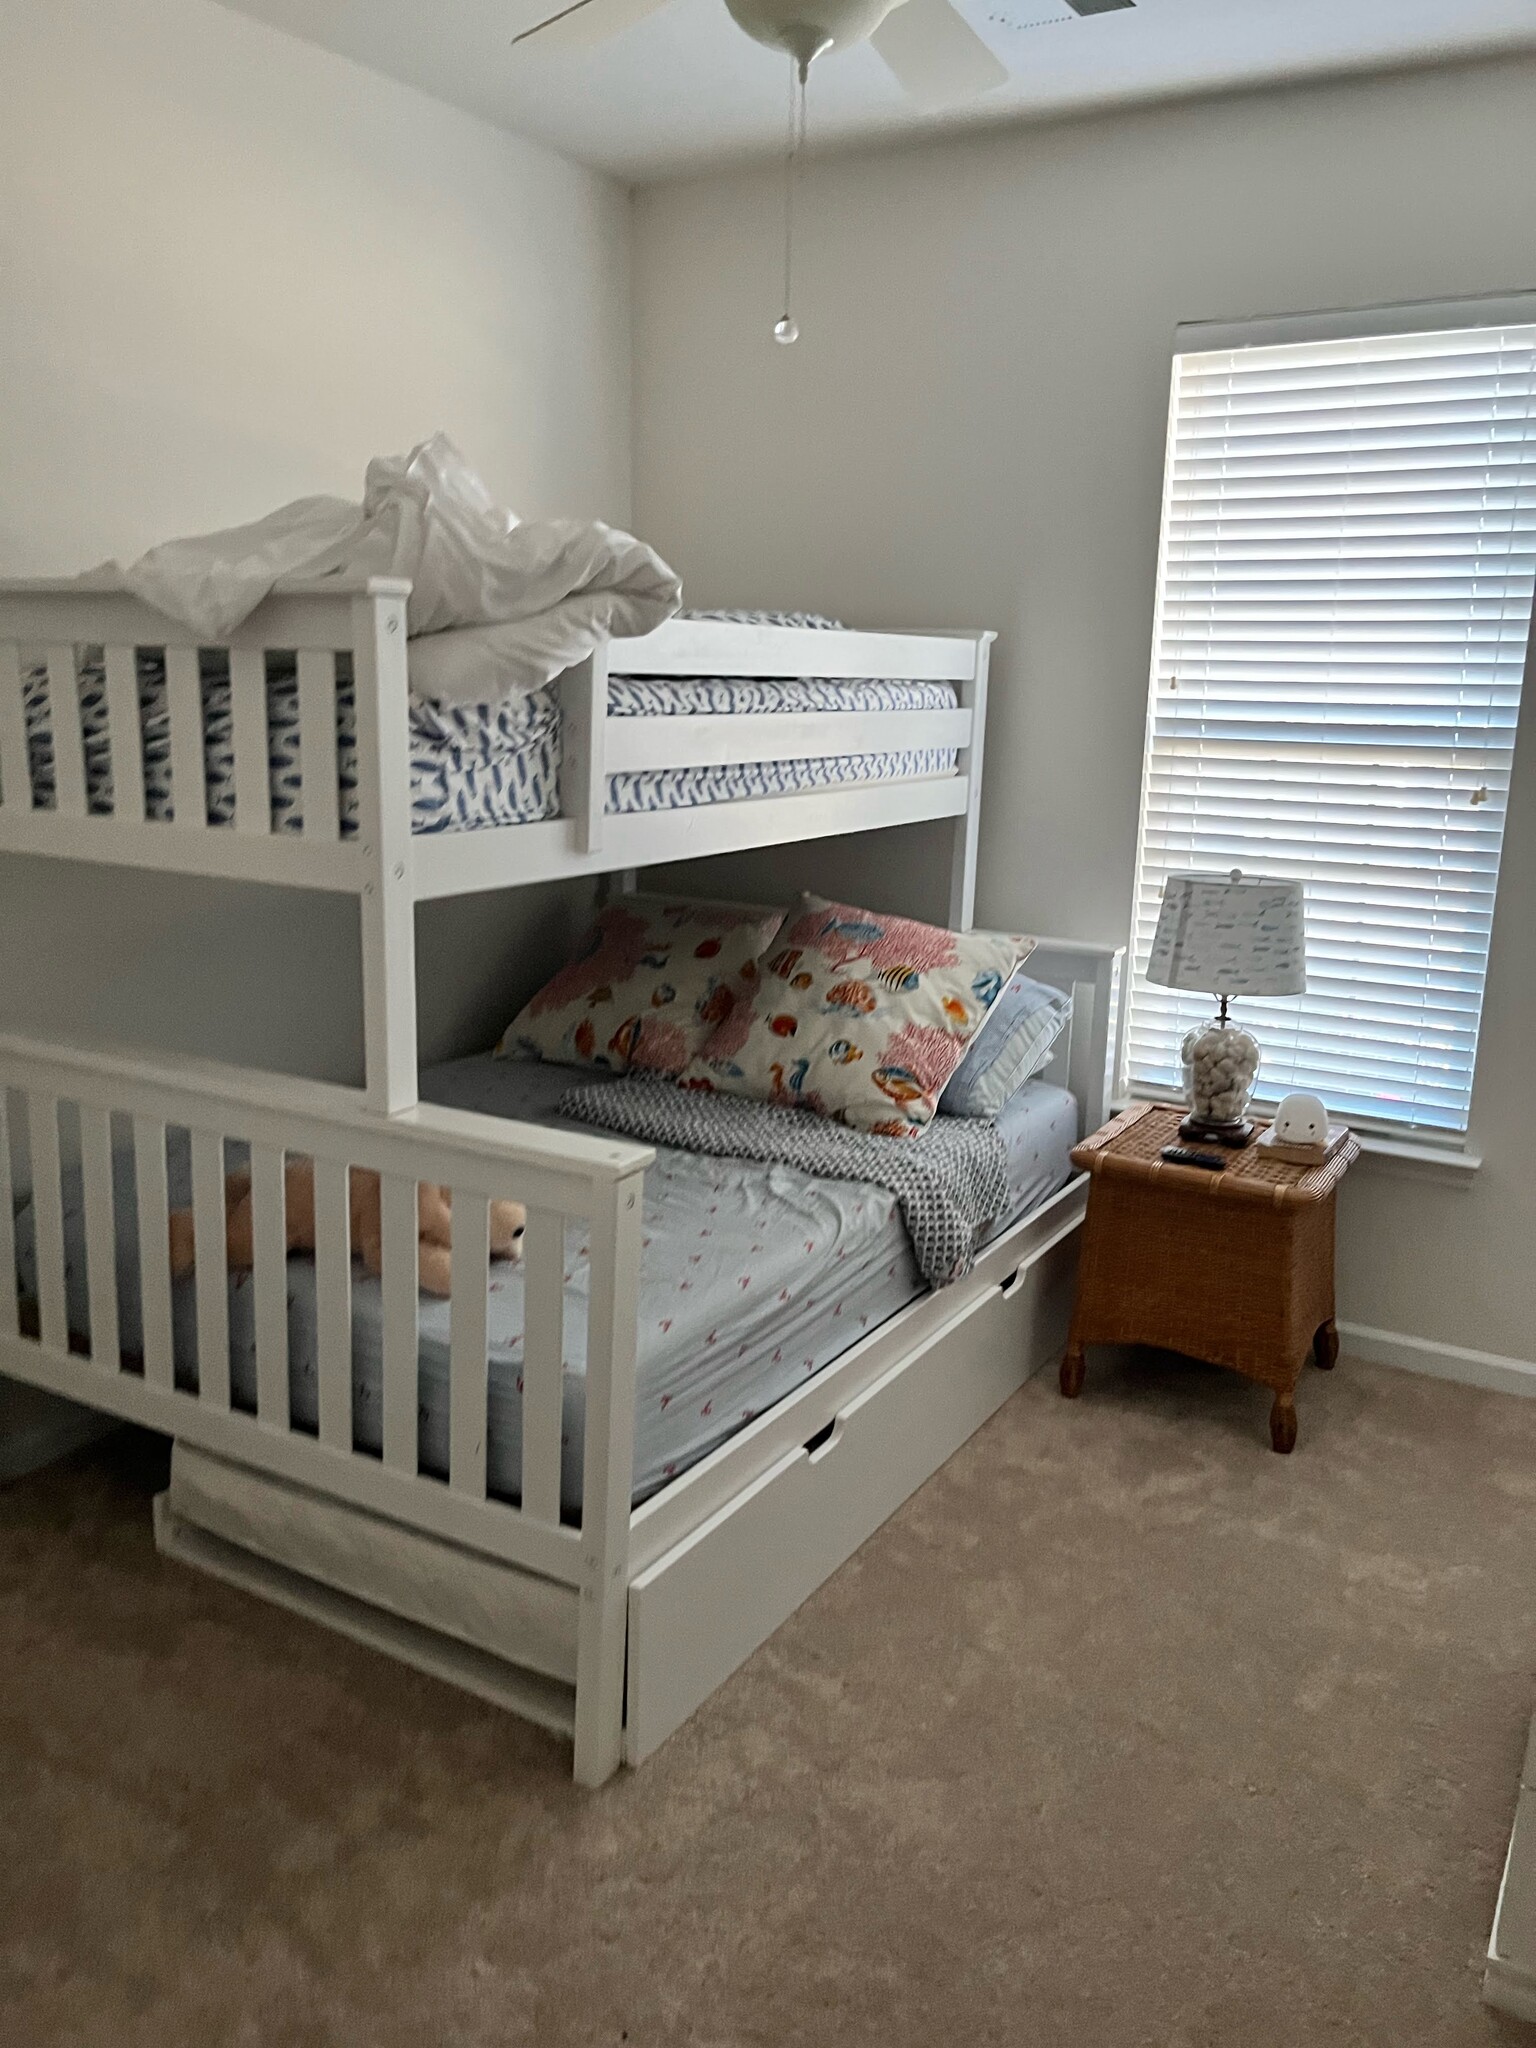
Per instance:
x=785, y=328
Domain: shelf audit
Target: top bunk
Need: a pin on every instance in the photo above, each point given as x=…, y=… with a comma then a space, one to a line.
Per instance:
x=306, y=761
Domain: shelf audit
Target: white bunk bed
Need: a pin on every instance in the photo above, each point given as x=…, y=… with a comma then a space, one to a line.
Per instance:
x=384, y=864
x=614, y=1624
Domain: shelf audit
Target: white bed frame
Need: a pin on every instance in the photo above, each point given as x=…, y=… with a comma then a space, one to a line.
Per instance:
x=613, y=1631
x=387, y=867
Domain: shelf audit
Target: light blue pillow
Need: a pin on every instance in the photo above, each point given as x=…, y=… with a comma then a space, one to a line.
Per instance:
x=1010, y=1048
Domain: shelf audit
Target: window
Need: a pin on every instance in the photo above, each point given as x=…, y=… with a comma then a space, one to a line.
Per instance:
x=1344, y=601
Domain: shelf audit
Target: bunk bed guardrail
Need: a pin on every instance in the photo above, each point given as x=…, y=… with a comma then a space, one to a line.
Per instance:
x=61, y=1113
x=45, y=626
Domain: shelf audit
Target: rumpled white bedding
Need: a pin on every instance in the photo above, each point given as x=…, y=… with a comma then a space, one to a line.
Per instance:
x=498, y=605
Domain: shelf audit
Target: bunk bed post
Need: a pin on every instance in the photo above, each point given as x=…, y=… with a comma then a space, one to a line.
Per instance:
x=1084, y=1058
x=607, y=1480
x=387, y=902
x=583, y=766
x=962, y=869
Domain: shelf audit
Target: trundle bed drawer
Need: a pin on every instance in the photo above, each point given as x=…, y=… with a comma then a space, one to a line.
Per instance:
x=706, y=1604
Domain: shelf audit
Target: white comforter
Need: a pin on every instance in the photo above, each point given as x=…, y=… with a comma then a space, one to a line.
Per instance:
x=498, y=605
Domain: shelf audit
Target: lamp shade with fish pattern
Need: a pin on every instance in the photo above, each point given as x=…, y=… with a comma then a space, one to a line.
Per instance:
x=1230, y=935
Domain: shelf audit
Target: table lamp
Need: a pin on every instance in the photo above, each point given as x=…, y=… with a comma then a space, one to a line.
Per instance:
x=1226, y=935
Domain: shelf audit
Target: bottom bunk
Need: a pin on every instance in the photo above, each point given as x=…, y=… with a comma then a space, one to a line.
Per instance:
x=719, y=1559
x=752, y=1278
x=558, y=1485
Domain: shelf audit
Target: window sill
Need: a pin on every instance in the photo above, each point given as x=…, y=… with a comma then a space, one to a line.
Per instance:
x=1451, y=1165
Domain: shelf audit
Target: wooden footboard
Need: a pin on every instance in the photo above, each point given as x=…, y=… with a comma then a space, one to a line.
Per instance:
x=63, y=1115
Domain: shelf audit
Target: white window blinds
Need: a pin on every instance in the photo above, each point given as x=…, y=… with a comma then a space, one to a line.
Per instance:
x=1345, y=582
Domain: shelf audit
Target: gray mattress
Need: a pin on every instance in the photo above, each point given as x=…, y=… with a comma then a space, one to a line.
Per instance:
x=753, y=1277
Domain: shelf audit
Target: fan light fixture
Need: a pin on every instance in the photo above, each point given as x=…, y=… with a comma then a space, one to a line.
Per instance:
x=807, y=29
x=936, y=56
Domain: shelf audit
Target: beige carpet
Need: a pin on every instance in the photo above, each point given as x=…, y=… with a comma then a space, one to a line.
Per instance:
x=1123, y=1731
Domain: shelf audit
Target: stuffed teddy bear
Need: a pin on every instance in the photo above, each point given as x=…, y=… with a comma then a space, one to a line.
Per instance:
x=434, y=1218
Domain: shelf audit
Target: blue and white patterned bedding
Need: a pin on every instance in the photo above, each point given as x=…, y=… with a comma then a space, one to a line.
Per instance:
x=471, y=765
x=676, y=789
x=753, y=1277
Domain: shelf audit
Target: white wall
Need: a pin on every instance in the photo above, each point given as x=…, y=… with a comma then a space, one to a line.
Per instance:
x=970, y=432
x=233, y=267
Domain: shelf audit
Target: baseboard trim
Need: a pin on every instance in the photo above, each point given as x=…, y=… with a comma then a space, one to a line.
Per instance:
x=1440, y=1361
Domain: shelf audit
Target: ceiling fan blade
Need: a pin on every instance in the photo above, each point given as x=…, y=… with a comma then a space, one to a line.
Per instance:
x=937, y=57
x=584, y=23
x=1098, y=6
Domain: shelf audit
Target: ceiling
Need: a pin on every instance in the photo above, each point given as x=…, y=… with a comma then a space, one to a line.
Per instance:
x=686, y=89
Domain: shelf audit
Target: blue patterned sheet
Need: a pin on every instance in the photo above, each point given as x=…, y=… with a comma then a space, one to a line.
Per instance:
x=471, y=765
x=676, y=789
x=753, y=1277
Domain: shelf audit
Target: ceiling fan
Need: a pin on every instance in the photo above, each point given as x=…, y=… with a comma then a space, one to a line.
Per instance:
x=935, y=54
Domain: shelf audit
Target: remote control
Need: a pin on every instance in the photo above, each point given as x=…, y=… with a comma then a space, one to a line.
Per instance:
x=1182, y=1155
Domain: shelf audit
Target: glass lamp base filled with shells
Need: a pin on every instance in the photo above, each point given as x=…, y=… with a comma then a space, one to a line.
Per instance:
x=1221, y=1064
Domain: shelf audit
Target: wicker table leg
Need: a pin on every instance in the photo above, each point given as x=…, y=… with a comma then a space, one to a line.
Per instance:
x=1282, y=1422
x=1325, y=1345
x=1073, y=1367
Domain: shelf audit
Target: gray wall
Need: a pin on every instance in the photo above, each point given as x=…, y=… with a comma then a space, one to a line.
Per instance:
x=970, y=432
x=232, y=268
x=261, y=977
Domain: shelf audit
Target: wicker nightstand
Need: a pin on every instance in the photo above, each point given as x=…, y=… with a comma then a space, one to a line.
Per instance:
x=1235, y=1267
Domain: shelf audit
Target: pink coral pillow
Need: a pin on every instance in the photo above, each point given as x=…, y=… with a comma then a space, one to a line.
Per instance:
x=652, y=979
x=858, y=1016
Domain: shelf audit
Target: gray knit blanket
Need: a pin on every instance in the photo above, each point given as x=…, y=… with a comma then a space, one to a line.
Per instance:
x=950, y=1183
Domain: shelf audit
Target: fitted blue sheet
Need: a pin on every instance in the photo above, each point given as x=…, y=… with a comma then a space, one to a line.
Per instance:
x=753, y=1278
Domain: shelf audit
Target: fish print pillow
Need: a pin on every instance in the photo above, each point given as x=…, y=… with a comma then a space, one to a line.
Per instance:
x=652, y=980
x=857, y=1016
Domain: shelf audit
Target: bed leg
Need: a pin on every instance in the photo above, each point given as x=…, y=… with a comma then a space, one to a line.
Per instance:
x=1073, y=1369
x=600, y=1643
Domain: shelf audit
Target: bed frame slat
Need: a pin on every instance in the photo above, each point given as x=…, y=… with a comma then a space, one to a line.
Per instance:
x=248, y=716
x=125, y=734
x=467, y=1344
x=543, y=1356
x=709, y=739
x=399, y=1287
x=154, y=1250
x=269, y=1217
x=333, y=1302
x=64, y=723
x=15, y=769
x=189, y=783
x=48, y=1220
x=8, y=1289
x=319, y=774
x=211, y=1274
x=100, y=1235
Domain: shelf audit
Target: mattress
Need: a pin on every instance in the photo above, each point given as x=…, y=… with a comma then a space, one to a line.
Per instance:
x=472, y=766
x=752, y=1279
